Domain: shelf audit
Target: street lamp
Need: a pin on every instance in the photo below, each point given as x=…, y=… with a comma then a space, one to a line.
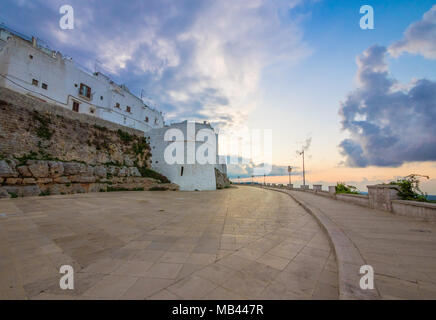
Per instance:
x=304, y=176
x=289, y=172
x=264, y=179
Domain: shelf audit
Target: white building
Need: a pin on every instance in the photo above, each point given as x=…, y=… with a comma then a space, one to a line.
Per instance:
x=31, y=69
x=190, y=174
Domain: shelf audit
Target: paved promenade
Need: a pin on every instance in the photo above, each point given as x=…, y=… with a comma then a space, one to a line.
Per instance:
x=237, y=243
x=401, y=250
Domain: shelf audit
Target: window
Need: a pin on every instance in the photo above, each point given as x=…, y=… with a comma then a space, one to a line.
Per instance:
x=146, y=119
x=30, y=57
x=75, y=106
x=117, y=105
x=91, y=110
x=181, y=171
x=35, y=82
x=44, y=86
x=85, y=91
x=101, y=97
x=128, y=109
x=155, y=120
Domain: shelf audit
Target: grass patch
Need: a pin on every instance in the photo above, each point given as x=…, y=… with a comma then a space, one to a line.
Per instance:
x=150, y=173
x=114, y=189
x=96, y=126
x=125, y=136
x=42, y=131
x=44, y=193
x=141, y=146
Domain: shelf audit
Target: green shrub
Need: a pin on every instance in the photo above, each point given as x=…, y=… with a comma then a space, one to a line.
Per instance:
x=149, y=173
x=341, y=187
x=140, y=146
x=124, y=136
x=409, y=188
x=43, y=130
x=156, y=188
x=44, y=193
x=13, y=195
x=96, y=126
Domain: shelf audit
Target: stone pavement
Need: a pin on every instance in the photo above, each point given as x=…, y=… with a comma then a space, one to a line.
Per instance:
x=237, y=243
x=402, y=250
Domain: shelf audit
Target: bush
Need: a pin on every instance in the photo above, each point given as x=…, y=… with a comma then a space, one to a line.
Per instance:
x=149, y=173
x=124, y=136
x=341, y=187
x=140, y=146
x=157, y=189
x=409, y=188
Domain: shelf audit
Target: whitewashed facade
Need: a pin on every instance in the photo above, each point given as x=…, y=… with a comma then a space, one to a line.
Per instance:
x=189, y=176
x=31, y=69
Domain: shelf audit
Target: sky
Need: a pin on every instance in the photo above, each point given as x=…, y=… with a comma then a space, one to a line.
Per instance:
x=360, y=102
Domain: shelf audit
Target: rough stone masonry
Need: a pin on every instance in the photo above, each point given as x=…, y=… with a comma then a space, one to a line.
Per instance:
x=46, y=149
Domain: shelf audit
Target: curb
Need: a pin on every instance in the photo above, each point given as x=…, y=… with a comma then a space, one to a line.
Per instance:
x=348, y=257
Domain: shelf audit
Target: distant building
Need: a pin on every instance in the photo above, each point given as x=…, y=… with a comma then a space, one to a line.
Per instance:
x=34, y=70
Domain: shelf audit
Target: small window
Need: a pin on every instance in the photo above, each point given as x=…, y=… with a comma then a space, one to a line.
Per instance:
x=181, y=171
x=35, y=82
x=128, y=109
x=91, y=110
x=44, y=86
x=30, y=57
x=75, y=106
x=85, y=91
x=117, y=105
x=146, y=119
x=155, y=120
x=101, y=97
x=75, y=85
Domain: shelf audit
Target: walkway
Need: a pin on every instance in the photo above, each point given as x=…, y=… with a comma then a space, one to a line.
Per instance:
x=237, y=243
x=401, y=250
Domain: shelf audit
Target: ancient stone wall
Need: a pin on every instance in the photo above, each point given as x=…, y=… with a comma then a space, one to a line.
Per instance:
x=46, y=149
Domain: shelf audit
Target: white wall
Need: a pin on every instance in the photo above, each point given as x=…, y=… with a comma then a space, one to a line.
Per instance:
x=20, y=62
x=195, y=176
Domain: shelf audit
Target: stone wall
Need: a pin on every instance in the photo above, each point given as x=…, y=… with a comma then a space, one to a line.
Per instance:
x=46, y=149
x=222, y=181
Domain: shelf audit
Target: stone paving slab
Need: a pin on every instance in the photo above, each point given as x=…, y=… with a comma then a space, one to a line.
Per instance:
x=402, y=250
x=237, y=243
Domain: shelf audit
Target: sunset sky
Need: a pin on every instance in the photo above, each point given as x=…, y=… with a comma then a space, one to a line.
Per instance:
x=361, y=102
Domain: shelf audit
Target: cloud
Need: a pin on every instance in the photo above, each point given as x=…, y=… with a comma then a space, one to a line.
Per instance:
x=389, y=124
x=245, y=168
x=195, y=59
x=419, y=38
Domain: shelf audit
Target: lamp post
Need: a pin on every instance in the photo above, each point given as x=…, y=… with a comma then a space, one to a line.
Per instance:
x=264, y=179
x=252, y=179
x=289, y=172
x=304, y=176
